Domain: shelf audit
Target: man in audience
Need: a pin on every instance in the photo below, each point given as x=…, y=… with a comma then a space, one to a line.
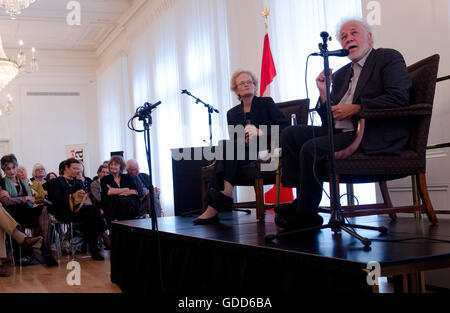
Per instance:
x=143, y=183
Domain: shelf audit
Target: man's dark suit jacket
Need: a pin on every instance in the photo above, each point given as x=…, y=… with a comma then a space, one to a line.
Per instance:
x=384, y=83
x=263, y=111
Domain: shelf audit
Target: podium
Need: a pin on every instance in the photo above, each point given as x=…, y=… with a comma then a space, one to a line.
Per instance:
x=187, y=182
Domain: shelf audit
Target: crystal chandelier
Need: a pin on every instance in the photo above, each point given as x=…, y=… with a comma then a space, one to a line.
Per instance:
x=15, y=7
x=9, y=69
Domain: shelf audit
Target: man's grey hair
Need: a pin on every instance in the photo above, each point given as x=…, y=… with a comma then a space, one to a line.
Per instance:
x=361, y=22
x=132, y=161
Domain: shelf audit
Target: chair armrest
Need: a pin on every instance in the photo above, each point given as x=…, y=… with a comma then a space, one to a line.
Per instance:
x=412, y=110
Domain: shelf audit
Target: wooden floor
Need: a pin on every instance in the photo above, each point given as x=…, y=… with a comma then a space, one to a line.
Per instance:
x=95, y=277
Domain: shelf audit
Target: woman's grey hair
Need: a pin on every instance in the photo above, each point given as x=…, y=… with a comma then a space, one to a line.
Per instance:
x=233, y=84
x=9, y=158
x=361, y=22
x=35, y=167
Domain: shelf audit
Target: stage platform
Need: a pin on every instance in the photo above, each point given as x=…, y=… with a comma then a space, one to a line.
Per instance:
x=232, y=258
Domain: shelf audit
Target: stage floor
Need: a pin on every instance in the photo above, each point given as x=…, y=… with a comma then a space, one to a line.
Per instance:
x=396, y=252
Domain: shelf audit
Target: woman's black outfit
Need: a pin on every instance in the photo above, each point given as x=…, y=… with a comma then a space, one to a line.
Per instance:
x=59, y=191
x=120, y=207
x=263, y=111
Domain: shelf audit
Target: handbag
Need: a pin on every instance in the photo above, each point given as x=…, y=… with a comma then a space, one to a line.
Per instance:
x=77, y=200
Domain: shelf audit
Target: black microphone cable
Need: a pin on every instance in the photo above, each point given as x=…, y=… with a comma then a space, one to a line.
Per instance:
x=311, y=117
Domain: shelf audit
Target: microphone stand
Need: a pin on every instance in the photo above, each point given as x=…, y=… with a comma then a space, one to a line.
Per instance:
x=210, y=108
x=336, y=222
x=145, y=115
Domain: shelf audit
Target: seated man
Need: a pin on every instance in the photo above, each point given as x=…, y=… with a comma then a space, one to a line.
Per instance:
x=375, y=79
x=143, y=183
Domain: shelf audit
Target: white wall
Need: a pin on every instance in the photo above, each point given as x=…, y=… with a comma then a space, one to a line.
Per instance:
x=40, y=127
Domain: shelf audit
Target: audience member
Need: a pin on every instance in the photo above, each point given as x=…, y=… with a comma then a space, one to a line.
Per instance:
x=120, y=198
x=143, y=186
x=60, y=192
x=20, y=203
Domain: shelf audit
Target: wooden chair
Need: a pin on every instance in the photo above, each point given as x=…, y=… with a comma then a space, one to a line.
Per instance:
x=251, y=174
x=353, y=166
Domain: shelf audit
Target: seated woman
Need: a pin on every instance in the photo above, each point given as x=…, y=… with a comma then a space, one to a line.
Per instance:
x=59, y=192
x=20, y=203
x=96, y=188
x=9, y=225
x=120, y=198
x=86, y=181
x=252, y=112
x=38, y=181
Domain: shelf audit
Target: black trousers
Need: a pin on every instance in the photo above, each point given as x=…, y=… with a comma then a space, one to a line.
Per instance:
x=90, y=216
x=227, y=167
x=303, y=148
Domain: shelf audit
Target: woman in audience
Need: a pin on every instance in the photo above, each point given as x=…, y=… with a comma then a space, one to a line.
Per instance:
x=60, y=191
x=86, y=181
x=39, y=173
x=96, y=187
x=23, y=174
x=120, y=198
x=9, y=225
x=252, y=113
x=20, y=203
x=50, y=176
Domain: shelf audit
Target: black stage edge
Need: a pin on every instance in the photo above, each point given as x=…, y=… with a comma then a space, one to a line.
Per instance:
x=232, y=259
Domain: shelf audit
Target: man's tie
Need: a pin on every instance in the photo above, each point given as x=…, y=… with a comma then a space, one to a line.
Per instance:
x=139, y=187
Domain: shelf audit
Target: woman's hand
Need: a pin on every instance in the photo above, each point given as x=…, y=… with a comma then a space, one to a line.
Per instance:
x=128, y=192
x=30, y=199
x=4, y=194
x=252, y=131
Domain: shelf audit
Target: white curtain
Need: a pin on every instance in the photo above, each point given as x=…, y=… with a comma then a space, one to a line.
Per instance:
x=294, y=30
x=113, y=99
x=186, y=48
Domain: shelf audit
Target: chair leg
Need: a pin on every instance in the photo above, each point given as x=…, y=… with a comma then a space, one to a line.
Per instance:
x=12, y=251
x=422, y=182
x=259, y=191
x=332, y=200
x=387, y=198
x=204, y=189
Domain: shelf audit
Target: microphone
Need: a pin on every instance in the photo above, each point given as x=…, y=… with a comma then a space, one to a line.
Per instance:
x=146, y=110
x=248, y=120
x=335, y=53
x=184, y=91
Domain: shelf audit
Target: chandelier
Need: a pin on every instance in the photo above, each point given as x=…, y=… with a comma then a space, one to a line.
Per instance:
x=9, y=68
x=15, y=7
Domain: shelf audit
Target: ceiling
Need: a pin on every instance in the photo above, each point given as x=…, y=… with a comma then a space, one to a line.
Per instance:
x=43, y=24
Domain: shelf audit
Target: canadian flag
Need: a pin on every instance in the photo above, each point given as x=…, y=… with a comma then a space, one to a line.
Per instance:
x=268, y=73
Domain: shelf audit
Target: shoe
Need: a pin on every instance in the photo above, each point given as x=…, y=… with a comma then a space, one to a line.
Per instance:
x=4, y=270
x=286, y=209
x=218, y=200
x=298, y=222
x=29, y=242
x=50, y=261
x=97, y=256
x=205, y=221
